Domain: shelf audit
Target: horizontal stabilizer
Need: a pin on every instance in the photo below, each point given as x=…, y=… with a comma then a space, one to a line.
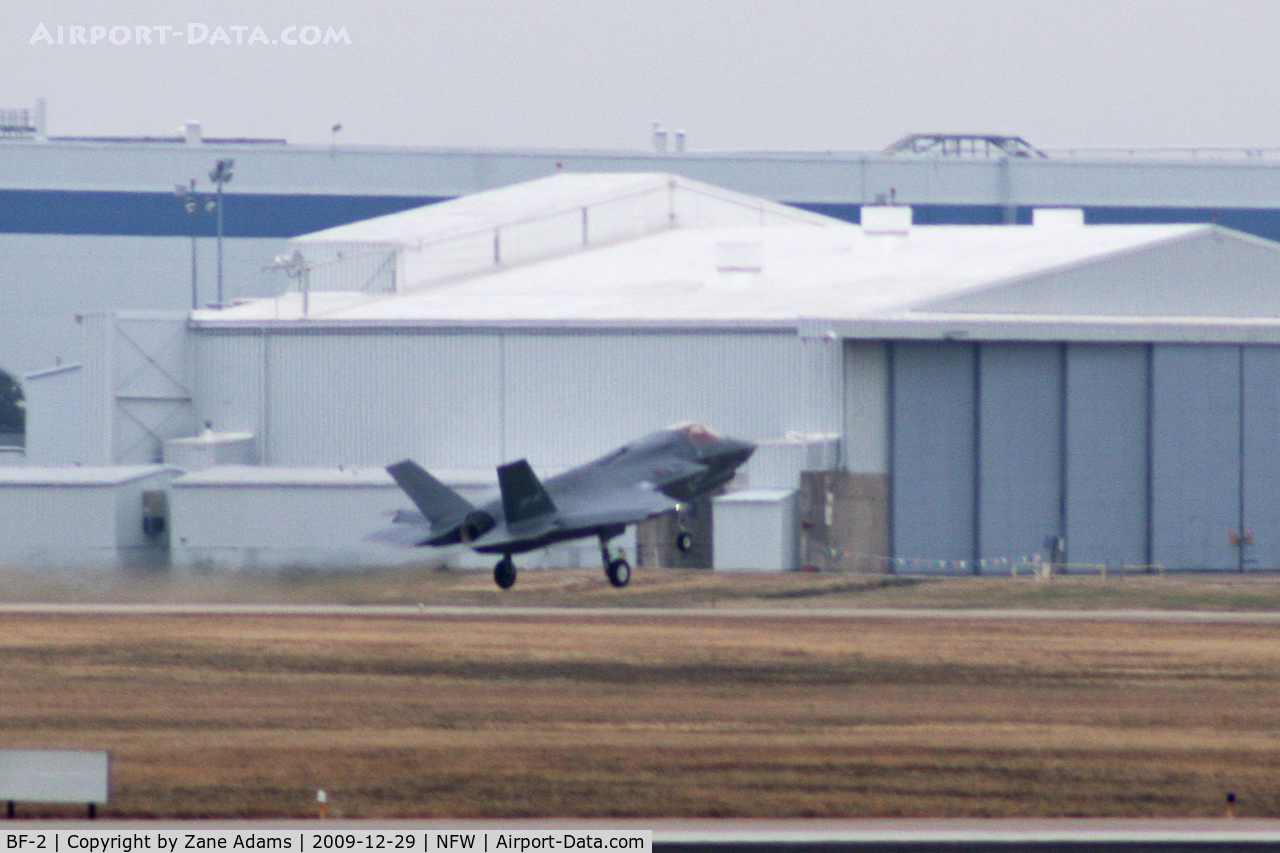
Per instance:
x=409, y=516
x=523, y=496
x=402, y=535
x=441, y=505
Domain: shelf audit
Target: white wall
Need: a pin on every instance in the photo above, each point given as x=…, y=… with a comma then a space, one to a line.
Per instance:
x=756, y=531
x=57, y=525
x=55, y=417
x=48, y=279
x=475, y=398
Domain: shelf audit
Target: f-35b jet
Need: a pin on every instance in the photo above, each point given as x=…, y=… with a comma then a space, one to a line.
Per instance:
x=648, y=477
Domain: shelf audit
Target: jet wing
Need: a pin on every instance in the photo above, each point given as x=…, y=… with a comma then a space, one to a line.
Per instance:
x=579, y=515
x=615, y=506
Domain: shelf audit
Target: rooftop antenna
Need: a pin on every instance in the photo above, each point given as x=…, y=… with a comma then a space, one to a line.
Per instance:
x=333, y=139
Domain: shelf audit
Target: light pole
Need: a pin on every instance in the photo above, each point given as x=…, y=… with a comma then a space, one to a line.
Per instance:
x=220, y=175
x=190, y=201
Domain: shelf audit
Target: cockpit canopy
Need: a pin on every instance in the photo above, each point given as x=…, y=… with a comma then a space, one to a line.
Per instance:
x=696, y=433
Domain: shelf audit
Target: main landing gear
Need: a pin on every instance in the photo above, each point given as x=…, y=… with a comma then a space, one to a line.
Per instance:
x=616, y=569
x=504, y=574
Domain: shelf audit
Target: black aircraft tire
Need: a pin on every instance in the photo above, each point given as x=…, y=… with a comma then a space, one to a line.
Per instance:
x=504, y=574
x=619, y=572
x=684, y=542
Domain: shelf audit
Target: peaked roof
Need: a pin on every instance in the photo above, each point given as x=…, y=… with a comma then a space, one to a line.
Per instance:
x=928, y=281
x=681, y=203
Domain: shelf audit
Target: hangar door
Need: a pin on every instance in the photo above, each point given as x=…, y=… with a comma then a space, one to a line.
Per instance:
x=1215, y=440
x=976, y=453
x=1134, y=454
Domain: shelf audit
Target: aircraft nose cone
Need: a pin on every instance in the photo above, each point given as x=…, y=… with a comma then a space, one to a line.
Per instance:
x=736, y=452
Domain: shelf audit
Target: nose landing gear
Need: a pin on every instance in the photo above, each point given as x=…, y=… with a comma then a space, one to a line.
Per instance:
x=616, y=569
x=619, y=572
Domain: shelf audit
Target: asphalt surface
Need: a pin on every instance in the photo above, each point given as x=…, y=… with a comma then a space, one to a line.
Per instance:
x=729, y=612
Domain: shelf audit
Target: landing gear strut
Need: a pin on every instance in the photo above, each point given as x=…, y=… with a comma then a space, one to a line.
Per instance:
x=504, y=574
x=618, y=570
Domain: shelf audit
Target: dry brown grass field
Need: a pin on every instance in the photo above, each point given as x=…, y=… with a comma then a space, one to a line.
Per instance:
x=621, y=713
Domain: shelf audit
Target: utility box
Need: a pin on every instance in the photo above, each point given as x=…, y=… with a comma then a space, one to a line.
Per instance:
x=755, y=530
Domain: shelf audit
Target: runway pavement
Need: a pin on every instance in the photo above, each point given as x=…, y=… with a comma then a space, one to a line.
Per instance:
x=728, y=612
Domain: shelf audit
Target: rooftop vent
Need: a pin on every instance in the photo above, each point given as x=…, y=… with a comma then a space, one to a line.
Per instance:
x=1058, y=217
x=191, y=133
x=739, y=257
x=886, y=219
x=659, y=139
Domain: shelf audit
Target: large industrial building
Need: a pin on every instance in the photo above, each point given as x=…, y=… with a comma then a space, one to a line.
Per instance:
x=958, y=398
x=958, y=354
x=93, y=223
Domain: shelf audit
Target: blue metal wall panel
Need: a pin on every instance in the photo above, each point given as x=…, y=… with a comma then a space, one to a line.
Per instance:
x=159, y=214
x=932, y=456
x=1020, y=456
x=1261, y=468
x=1107, y=411
x=1195, y=412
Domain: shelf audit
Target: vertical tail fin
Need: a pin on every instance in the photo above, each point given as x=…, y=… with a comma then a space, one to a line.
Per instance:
x=442, y=506
x=523, y=496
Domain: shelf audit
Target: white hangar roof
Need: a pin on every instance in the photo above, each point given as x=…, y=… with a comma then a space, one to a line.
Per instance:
x=793, y=268
x=681, y=201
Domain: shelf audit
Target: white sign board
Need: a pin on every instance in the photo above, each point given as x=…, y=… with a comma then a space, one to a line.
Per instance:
x=53, y=776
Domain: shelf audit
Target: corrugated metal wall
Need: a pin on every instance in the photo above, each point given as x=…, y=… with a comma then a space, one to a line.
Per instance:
x=865, y=435
x=466, y=398
x=1164, y=454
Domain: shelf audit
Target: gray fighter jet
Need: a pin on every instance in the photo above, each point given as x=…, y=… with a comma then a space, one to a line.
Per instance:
x=650, y=476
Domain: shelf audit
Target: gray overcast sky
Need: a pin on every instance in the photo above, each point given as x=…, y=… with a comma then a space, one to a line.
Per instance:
x=746, y=74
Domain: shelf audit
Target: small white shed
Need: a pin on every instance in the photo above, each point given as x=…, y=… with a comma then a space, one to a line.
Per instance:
x=755, y=530
x=72, y=519
x=246, y=517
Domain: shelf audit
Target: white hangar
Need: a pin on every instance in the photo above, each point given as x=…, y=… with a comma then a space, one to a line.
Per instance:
x=957, y=397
